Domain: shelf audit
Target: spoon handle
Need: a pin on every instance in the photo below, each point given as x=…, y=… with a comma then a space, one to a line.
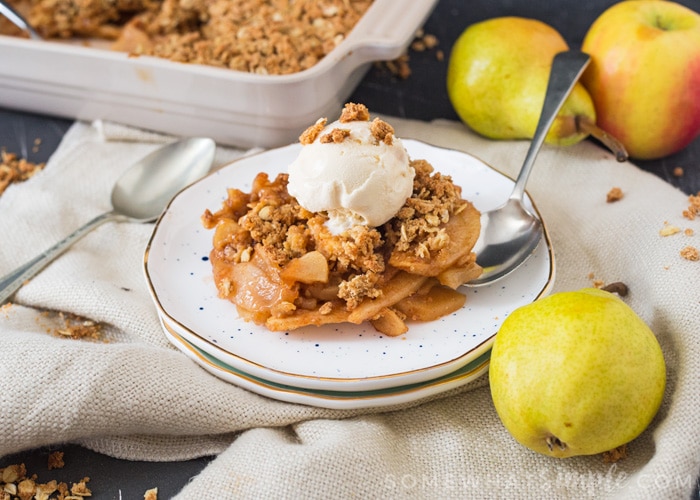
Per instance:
x=566, y=70
x=16, y=18
x=12, y=281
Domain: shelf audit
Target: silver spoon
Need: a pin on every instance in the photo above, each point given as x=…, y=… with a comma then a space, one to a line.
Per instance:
x=16, y=18
x=511, y=232
x=140, y=195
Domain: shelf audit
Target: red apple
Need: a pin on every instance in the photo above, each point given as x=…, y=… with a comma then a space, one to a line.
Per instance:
x=644, y=75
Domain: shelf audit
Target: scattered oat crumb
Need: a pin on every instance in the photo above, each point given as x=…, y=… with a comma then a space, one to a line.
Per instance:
x=422, y=42
x=14, y=169
x=71, y=326
x=612, y=456
x=678, y=172
x=693, y=208
x=615, y=194
x=151, y=494
x=56, y=460
x=80, y=488
x=596, y=283
x=77, y=327
x=669, y=229
x=18, y=484
x=688, y=232
x=690, y=253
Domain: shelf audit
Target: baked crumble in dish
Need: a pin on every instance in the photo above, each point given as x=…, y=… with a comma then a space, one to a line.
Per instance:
x=256, y=36
x=285, y=266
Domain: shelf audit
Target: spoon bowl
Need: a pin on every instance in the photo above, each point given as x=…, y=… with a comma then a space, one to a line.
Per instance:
x=139, y=195
x=510, y=233
x=143, y=191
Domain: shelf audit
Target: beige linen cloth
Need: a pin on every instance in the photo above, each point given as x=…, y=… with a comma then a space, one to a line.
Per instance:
x=134, y=396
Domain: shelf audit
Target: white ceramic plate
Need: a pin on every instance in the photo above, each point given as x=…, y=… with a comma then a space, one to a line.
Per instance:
x=341, y=357
x=337, y=400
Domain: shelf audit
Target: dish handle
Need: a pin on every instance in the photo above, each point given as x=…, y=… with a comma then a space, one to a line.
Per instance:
x=387, y=28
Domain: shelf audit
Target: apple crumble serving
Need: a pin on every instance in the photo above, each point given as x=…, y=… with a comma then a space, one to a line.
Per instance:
x=257, y=36
x=285, y=266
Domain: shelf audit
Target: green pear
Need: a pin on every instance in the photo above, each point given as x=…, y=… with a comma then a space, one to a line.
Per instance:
x=576, y=373
x=497, y=77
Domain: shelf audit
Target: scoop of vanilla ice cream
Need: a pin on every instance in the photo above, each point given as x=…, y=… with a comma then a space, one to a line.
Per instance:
x=359, y=180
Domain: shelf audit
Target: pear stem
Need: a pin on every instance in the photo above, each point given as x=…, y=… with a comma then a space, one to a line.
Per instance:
x=586, y=125
x=617, y=287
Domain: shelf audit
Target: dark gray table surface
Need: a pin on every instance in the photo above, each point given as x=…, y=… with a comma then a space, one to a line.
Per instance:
x=421, y=96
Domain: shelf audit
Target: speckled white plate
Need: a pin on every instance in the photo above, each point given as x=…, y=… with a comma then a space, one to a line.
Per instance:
x=342, y=357
x=337, y=400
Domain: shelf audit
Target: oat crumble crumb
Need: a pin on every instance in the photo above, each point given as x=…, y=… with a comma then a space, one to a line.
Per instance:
x=80, y=488
x=17, y=484
x=688, y=232
x=151, y=494
x=382, y=131
x=77, y=327
x=14, y=169
x=678, y=172
x=353, y=112
x=56, y=460
x=690, y=253
x=693, y=208
x=615, y=194
x=336, y=136
x=309, y=135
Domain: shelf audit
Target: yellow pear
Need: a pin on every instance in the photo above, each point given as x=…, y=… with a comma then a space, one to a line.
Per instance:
x=497, y=77
x=576, y=373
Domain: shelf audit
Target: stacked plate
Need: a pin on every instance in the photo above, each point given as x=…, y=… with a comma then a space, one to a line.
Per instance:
x=335, y=366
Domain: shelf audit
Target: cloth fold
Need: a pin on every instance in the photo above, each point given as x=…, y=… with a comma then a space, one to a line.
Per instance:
x=132, y=395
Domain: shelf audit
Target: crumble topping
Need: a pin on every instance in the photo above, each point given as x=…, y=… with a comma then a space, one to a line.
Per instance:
x=352, y=112
x=337, y=135
x=309, y=135
x=417, y=226
x=256, y=36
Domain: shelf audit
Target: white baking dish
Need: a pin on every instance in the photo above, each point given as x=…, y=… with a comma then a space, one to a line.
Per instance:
x=232, y=107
